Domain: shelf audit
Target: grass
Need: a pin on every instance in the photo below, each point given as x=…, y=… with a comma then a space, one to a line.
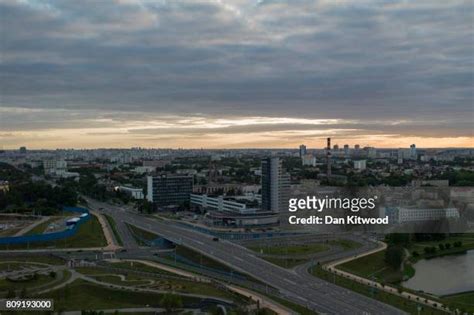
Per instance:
x=289, y=254
x=10, y=232
x=285, y=262
x=139, y=235
x=89, y=234
x=6, y=284
x=463, y=301
x=373, y=267
x=467, y=244
x=45, y=259
x=293, y=306
x=136, y=266
x=81, y=295
x=399, y=302
x=113, y=227
x=177, y=285
x=40, y=228
x=302, y=249
x=345, y=244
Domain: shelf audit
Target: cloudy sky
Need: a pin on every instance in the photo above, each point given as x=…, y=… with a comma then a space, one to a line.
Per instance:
x=236, y=73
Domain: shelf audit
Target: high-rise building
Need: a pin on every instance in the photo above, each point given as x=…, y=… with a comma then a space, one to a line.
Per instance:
x=328, y=158
x=346, y=150
x=169, y=190
x=413, y=154
x=357, y=147
x=303, y=151
x=335, y=147
x=22, y=150
x=275, y=185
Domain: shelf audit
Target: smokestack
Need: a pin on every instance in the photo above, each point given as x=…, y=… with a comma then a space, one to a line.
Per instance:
x=328, y=158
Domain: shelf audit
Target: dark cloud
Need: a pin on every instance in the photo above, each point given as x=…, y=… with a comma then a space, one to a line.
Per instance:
x=363, y=60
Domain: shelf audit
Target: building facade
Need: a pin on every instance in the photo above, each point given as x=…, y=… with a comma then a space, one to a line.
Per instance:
x=275, y=186
x=169, y=190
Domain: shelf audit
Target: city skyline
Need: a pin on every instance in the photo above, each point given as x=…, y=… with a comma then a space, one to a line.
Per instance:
x=236, y=74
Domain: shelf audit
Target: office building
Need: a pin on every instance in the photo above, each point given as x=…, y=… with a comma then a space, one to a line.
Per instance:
x=135, y=193
x=222, y=204
x=346, y=150
x=169, y=190
x=308, y=160
x=275, y=186
x=407, y=215
x=413, y=154
x=303, y=150
x=360, y=165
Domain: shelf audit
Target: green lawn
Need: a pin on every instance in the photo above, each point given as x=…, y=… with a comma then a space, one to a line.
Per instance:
x=345, y=244
x=285, y=262
x=113, y=226
x=293, y=306
x=45, y=258
x=141, y=235
x=135, y=266
x=40, y=228
x=89, y=234
x=373, y=267
x=6, y=284
x=303, y=249
x=81, y=295
x=467, y=244
x=462, y=301
x=388, y=298
x=161, y=283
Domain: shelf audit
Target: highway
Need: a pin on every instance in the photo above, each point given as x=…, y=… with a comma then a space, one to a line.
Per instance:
x=298, y=287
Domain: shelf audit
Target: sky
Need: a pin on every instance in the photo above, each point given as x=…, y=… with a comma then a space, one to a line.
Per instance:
x=236, y=74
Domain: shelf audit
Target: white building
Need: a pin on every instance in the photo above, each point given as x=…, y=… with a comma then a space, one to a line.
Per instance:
x=308, y=160
x=135, y=193
x=302, y=150
x=406, y=215
x=144, y=169
x=360, y=165
x=220, y=204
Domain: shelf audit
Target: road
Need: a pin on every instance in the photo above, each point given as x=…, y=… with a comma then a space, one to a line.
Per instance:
x=316, y=294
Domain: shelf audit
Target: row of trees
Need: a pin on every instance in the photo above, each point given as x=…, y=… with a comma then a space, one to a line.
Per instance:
x=40, y=197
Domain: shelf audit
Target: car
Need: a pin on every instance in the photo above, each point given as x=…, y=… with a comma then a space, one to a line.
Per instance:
x=215, y=239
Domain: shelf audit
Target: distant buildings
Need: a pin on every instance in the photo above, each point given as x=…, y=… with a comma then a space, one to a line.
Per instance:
x=400, y=215
x=23, y=150
x=221, y=203
x=135, y=193
x=4, y=185
x=308, y=160
x=169, y=190
x=360, y=165
x=346, y=150
x=58, y=168
x=413, y=154
x=275, y=185
x=144, y=169
x=303, y=150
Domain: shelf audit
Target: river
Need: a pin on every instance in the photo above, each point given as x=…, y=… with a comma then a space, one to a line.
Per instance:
x=444, y=275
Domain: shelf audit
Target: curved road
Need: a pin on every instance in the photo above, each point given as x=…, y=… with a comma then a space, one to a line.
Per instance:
x=316, y=294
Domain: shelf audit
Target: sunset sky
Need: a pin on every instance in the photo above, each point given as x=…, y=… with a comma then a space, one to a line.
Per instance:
x=236, y=74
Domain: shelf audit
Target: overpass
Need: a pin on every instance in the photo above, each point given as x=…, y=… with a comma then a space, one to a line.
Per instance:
x=315, y=294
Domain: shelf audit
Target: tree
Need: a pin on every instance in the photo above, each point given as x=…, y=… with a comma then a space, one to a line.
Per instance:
x=171, y=301
x=394, y=256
